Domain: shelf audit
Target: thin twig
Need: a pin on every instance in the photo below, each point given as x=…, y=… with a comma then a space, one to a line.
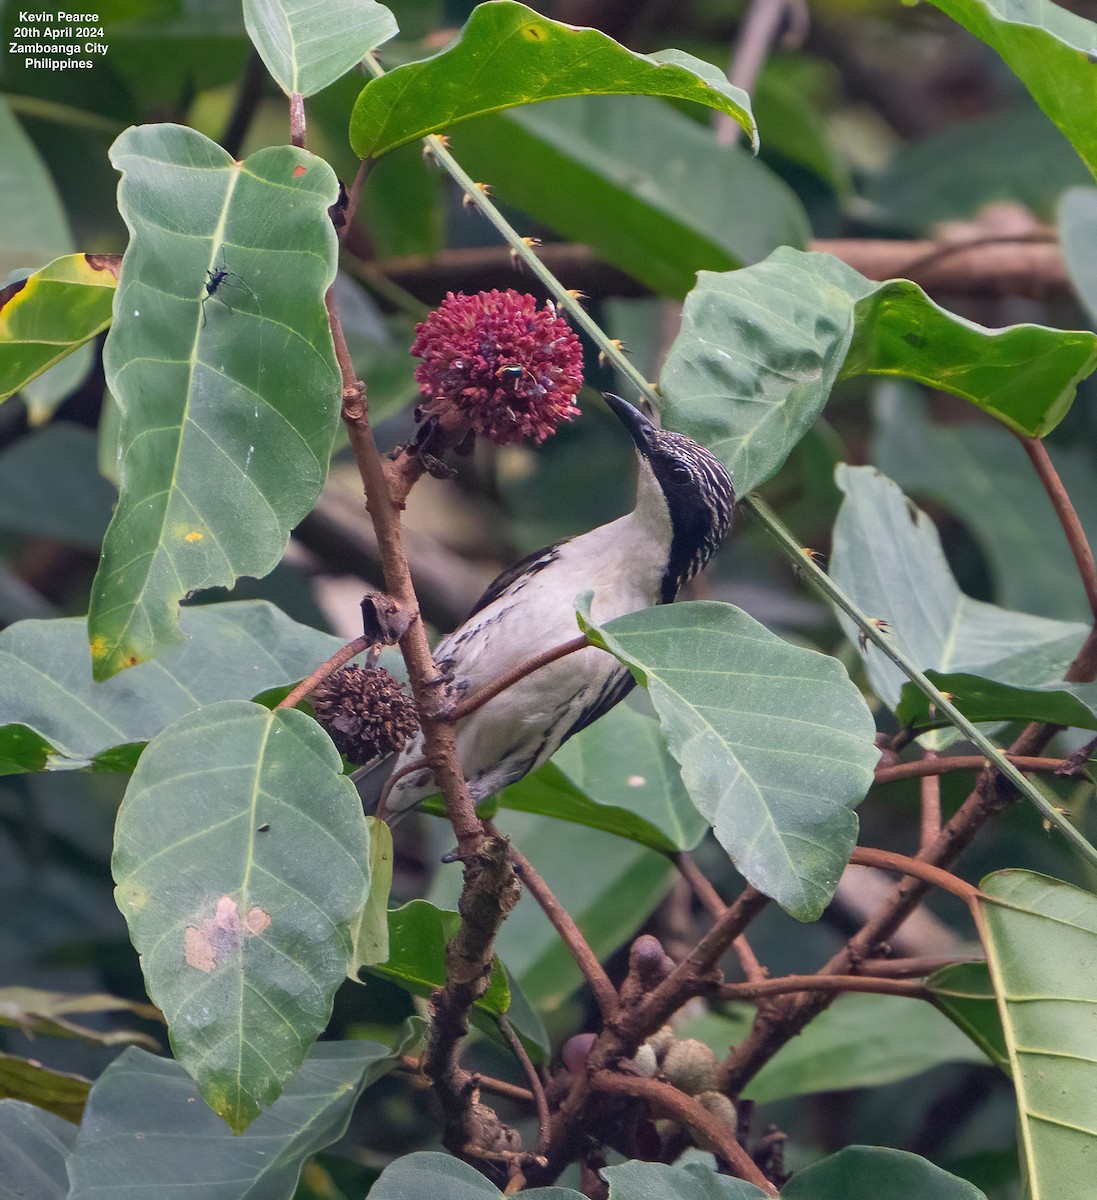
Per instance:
x=587, y=961
x=888, y=860
x=354, y=194
x=787, y=984
x=489, y=691
x=329, y=666
x=912, y=968
x=486, y=1083
x=297, y=120
x=537, y=1091
x=666, y=1101
x=930, y=795
x=958, y=762
x=1068, y=517
x=757, y=33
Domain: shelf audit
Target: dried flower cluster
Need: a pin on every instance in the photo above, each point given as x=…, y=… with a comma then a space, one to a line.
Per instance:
x=503, y=366
x=366, y=712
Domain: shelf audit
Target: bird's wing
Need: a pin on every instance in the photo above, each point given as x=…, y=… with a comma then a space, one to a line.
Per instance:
x=518, y=573
x=617, y=688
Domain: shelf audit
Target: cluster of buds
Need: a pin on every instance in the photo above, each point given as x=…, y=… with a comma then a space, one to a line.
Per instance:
x=366, y=712
x=497, y=365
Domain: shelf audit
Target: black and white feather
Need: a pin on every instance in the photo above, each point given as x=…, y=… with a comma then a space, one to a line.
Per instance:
x=683, y=511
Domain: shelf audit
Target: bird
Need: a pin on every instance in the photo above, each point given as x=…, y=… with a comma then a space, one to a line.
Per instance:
x=683, y=511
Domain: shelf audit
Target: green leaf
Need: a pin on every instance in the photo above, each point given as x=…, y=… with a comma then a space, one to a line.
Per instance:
x=48, y=315
x=146, y=1132
x=693, y=1181
x=229, y=406
x=760, y=349
x=863, y=1040
x=371, y=936
x=31, y=213
x=1050, y=50
x=428, y=1176
x=54, y=716
x=307, y=46
x=616, y=775
x=775, y=743
x=50, y=487
x=243, y=940
x=965, y=994
x=1040, y=936
x=980, y=473
x=887, y=557
x=44, y=1014
x=651, y=190
x=984, y=700
x=34, y=1147
x=57, y=1092
x=610, y=887
x=507, y=55
x=864, y=1171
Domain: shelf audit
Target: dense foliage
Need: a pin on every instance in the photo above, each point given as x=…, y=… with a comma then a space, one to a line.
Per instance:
x=861, y=274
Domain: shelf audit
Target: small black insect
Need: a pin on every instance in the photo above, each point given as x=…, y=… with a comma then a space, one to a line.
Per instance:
x=218, y=277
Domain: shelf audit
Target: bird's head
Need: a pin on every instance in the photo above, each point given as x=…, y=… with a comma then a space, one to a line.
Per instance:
x=695, y=485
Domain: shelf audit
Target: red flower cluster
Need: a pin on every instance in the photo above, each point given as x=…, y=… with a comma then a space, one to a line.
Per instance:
x=508, y=369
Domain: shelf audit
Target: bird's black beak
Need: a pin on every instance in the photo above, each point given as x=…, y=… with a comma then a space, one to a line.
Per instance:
x=639, y=427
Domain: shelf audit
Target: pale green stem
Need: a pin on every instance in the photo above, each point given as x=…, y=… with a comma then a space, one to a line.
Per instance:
x=774, y=526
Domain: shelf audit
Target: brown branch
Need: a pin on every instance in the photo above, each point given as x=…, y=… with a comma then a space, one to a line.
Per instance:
x=530, y=1071
x=329, y=666
x=989, y=269
x=787, y=984
x=958, y=762
x=490, y=889
x=354, y=194
x=912, y=968
x=930, y=796
x=888, y=860
x=297, y=120
x=486, y=1083
x=756, y=35
x=666, y=1101
x=489, y=691
x=587, y=961
x=1068, y=517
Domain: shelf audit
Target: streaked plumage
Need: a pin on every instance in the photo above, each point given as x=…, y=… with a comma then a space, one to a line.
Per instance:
x=683, y=510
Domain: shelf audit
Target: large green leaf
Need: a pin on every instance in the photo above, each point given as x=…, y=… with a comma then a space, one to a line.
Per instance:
x=34, y=1147
x=306, y=46
x=986, y=700
x=1051, y=50
x=1040, y=936
x=146, y=1133
x=775, y=743
x=507, y=55
x=761, y=348
x=54, y=716
x=31, y=213
x=616, y=775
x=980, y=473
x=887, y=557
x=243, y=941
x=651, y=191
x=883, y=1174
x=229, y=401
x=48, y=315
